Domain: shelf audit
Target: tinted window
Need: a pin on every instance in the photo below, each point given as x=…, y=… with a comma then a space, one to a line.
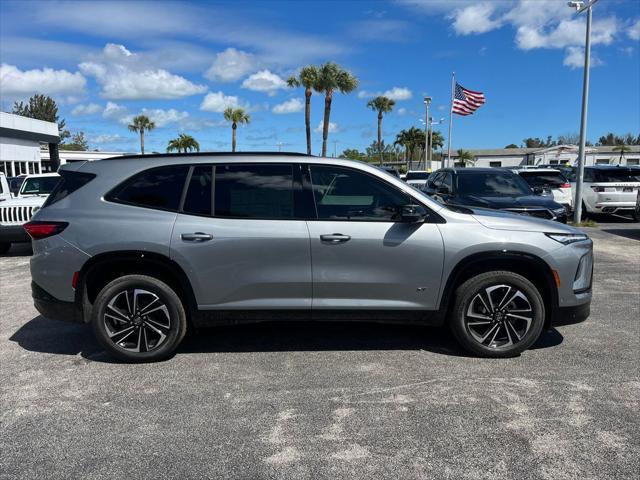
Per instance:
x=435, y=180
x=540, y=179
x=342, y=193
x=39, y=185
x=447, y=181
x=199, y=191
x=492, y=184
x=417, y=175
x=254, y=191
x=617, y=175
x=155, y=188
x=68, y=183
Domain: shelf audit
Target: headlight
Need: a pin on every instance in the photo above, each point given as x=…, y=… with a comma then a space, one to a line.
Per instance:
x=567, y=238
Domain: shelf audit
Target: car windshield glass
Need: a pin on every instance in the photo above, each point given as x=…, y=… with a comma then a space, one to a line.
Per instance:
x=39, y=185
x=618, y=175
x=491, y=185
x=541, y=179
x=417, y=175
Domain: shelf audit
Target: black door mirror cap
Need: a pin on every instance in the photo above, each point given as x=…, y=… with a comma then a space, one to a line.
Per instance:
x=413, y=213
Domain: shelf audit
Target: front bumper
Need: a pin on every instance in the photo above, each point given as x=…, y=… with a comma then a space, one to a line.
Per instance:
x=570, y=315
x=13, y=234
x=52, y=308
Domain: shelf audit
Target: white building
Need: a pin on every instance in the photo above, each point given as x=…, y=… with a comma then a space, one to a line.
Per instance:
x=556, y=155
x=20, y=140
x=70, y=156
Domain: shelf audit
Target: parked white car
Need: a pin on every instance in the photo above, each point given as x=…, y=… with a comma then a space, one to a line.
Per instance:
x=15, y=212
x=610, y=189
x=5, y=191
x=549, y=181
x=417, y=178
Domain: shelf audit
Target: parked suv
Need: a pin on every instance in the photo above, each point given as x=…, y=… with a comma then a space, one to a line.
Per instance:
x=144, y=247
x=494, y=188
x=548, y=181
x=610, y=189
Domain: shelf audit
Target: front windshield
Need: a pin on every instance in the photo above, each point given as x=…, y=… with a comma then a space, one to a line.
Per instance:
x=492, y=185
x=39, y=185
x=541, y=179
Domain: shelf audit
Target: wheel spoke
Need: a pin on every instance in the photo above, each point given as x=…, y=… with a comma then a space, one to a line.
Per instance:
x=158, y=332
x=506, y=294
x=520, y=317
x=157, y=324
x=119, y=315
x=515, y=332
x=112, y=335
x=489, y=332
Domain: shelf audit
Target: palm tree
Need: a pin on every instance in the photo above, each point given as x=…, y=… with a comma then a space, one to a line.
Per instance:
x=235, y=116
x=465, y=157
x=381, y=105
x=622, y=149
x=332, y=77
x=437, y=140
x=139, y=124
x=412, y=140
x=184, y=143
x=307, y=79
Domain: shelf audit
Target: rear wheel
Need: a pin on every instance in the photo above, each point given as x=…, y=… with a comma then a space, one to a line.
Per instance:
x=497, y=314
x=4, y=247
x=139, y=319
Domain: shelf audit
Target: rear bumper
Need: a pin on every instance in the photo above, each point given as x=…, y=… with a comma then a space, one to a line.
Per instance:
x=51, y=307
x=13, y=234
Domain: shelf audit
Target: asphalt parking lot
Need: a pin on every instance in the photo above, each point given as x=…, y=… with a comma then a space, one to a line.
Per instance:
x=327, y=400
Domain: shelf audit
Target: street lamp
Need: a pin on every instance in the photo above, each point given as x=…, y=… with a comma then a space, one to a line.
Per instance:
x=431, y=139
x=581, y=7
x=427, y=102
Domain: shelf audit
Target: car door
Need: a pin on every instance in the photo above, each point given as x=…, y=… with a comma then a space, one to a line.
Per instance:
x=363, y=255
x=253, y=251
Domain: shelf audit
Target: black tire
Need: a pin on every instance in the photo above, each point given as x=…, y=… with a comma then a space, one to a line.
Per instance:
x=4, y=247
x=112, y=308
x=510, y=326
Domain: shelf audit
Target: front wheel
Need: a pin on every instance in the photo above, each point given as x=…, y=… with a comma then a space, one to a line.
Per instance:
x=497, y=314
x=138, y=318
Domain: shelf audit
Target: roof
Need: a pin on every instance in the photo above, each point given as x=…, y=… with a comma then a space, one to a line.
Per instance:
x=210, y=154
x=612, y=167
x=25, y=128
x=472, y=170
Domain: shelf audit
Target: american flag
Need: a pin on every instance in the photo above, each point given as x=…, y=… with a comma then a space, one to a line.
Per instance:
x=465, y=102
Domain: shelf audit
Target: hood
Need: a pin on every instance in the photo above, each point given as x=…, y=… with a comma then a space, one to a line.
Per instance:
x=32, y=201
x=508, y=202
x=500, y=220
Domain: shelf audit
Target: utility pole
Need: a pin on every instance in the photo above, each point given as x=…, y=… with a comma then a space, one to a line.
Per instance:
x=335, y=143
x=581, y=7
x=427, y=157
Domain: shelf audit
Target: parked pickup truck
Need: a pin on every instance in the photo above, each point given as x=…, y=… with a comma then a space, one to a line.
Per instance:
x=15, y=212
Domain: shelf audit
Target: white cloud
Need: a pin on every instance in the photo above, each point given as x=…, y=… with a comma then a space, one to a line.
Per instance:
x=115, y=112
x=290, y=106
x=17, y=83
x=162, y=118
x=124, y=76
x=567, y=33
x=88, y=109
x=474, y=19
x=333, y=127
x=395, y=93
x=264, y=81
x=231, y=65
x=634, y=31
x=108, y=138
x=218, y=102
x=574, y=58
x=402, y=111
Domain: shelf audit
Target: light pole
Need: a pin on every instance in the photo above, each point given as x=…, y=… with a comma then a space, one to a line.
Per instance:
x=581, y=7
x=431, y=139
x=427, y=102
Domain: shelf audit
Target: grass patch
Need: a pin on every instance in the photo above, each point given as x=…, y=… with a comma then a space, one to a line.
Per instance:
x=586, y=223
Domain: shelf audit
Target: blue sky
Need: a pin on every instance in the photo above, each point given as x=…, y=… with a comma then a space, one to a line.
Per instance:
x=182, y=63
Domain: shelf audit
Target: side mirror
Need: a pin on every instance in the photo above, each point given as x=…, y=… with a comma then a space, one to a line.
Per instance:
x=443, y=190
x=412, y=213
x=538, y=190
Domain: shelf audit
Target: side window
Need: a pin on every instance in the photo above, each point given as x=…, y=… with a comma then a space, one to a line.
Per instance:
x=155, y=188
x=254, y=191
x=447, y=182
x=436, y=181
x=346, y=194
x=199, y=191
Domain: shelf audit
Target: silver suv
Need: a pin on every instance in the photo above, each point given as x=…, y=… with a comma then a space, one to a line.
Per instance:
x=145, y=247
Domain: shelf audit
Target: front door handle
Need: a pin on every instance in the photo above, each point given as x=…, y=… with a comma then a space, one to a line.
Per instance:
x=335, y=238
x=196, y=237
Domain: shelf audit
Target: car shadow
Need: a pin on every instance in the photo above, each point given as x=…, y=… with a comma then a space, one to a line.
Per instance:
x=54, y=337
x=631, y=233
x=19, y=250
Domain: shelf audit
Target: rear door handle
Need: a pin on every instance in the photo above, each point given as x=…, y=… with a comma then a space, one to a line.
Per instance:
x=335, y=238
x=196, y=237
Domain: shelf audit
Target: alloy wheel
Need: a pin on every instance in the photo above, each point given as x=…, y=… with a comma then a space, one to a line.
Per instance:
x=137, y=320
x=499, y=316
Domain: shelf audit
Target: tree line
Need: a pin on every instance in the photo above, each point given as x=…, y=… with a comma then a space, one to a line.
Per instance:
x=610, y=139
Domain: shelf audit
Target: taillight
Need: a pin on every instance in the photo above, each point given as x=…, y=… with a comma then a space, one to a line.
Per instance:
x=565, y=185
x=38, y=230
x=597, y=189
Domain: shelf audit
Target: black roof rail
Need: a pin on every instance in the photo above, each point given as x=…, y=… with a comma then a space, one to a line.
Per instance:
x=209, y=154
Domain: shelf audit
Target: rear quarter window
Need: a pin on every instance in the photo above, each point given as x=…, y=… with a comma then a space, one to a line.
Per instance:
x=69, y=182
x=159, y=188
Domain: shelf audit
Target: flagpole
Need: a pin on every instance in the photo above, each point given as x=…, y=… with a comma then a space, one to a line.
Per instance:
x=453, y=87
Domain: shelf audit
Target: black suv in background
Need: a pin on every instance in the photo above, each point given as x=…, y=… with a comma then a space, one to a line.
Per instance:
x=491, y=188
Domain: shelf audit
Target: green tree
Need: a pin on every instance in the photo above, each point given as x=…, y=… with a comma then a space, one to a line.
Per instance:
x=183, y=143
x=42, y=107
x=235, y=116
x=307, y=78
x=511, y=145
x=78, y=142
x=437, y=140
x=141, y=124
x=332, y=77
x=412, y=140
x=381, y=105
x=465, y=157
x=622, y=148
x=352, y=154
